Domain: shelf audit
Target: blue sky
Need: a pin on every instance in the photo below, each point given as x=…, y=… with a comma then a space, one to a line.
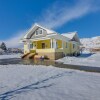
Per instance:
x=17, y=16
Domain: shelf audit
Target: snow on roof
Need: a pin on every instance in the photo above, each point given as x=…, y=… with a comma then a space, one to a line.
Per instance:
x=48, y=30
x=69, y=35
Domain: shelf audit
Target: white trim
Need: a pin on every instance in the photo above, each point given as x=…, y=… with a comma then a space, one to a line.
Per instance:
x=54, y=44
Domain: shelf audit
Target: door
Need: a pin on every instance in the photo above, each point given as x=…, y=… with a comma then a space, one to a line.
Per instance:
x=43, y=45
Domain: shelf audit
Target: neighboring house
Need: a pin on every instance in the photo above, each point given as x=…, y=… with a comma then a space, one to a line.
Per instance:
x=45, y=42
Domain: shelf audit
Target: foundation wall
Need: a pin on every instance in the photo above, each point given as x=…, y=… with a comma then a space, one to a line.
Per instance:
x=58, y=55
x=51, y=55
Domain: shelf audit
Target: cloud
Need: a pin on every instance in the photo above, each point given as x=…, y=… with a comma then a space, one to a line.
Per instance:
x=15, y=40
x=61, y=13
x=58, y=14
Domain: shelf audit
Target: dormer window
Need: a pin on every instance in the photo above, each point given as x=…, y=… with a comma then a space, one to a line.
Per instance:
x=39, y=32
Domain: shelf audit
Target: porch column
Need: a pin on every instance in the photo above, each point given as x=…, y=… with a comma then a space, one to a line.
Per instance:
x=33, y=46
x=54, y=44
x=28, y=44
x=51, y=42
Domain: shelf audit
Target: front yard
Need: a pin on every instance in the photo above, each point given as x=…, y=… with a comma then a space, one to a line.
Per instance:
x=37, y=82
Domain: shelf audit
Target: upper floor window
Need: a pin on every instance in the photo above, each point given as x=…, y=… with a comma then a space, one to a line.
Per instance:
x=39, y=32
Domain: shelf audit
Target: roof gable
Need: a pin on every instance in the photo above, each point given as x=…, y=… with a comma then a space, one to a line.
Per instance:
x=32, y=30
x=47, y=33
x=72, y=36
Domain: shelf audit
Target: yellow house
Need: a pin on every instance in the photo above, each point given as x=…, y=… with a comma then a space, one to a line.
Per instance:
x=43, y=42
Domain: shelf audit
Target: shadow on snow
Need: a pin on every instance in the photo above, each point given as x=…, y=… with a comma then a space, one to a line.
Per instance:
x=10, y=94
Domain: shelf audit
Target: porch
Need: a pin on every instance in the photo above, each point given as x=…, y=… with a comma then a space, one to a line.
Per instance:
x=47, y=44
x=50, y=48
x=50, y=45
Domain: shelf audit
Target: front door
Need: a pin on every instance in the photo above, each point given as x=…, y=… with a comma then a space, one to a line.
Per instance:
x=43, y=45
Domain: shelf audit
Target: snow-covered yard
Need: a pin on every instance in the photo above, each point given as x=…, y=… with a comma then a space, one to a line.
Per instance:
x=7, y=56
x=86, y=59
x=27, y=82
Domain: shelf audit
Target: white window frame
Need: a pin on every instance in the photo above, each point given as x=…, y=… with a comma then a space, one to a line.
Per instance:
x=38, y=33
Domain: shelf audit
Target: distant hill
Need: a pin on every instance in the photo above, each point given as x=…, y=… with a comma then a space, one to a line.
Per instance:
x=93, y=42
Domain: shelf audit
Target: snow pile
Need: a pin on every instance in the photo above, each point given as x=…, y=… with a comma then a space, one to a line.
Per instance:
x=86, y=59
x=8, y=56
x=93, y=42
x=26, y=82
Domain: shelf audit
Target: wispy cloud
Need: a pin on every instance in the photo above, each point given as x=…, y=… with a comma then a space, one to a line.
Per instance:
x=61, y=13
x=15, y=40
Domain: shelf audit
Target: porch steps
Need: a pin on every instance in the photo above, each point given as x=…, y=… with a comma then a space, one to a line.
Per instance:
x=28, y=56
x=24, y=55
x=31, y=55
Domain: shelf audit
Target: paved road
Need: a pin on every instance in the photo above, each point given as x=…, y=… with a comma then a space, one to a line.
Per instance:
x=47, y=63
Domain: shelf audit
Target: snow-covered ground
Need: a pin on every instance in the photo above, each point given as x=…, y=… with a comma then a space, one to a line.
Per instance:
x=27, y=82
x=86, y=59
x=7, y=56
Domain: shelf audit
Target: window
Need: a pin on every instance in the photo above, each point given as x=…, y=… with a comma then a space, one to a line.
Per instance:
x=31, y=46
x=39, y=32
x=36, y=32
x=73, y=46
x=43, y=46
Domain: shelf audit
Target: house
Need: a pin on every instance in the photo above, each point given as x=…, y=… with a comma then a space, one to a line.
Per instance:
x=43, y=42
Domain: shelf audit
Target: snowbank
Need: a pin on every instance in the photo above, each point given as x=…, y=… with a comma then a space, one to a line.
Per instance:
x=86, y=59
x=27, y=82
x=7, y=56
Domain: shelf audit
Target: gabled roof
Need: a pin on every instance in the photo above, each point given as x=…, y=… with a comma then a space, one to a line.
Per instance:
x=72, y=36
x=34, y=27
x=48, y=30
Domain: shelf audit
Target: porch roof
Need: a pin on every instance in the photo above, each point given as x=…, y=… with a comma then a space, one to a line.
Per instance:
x=53, y=36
